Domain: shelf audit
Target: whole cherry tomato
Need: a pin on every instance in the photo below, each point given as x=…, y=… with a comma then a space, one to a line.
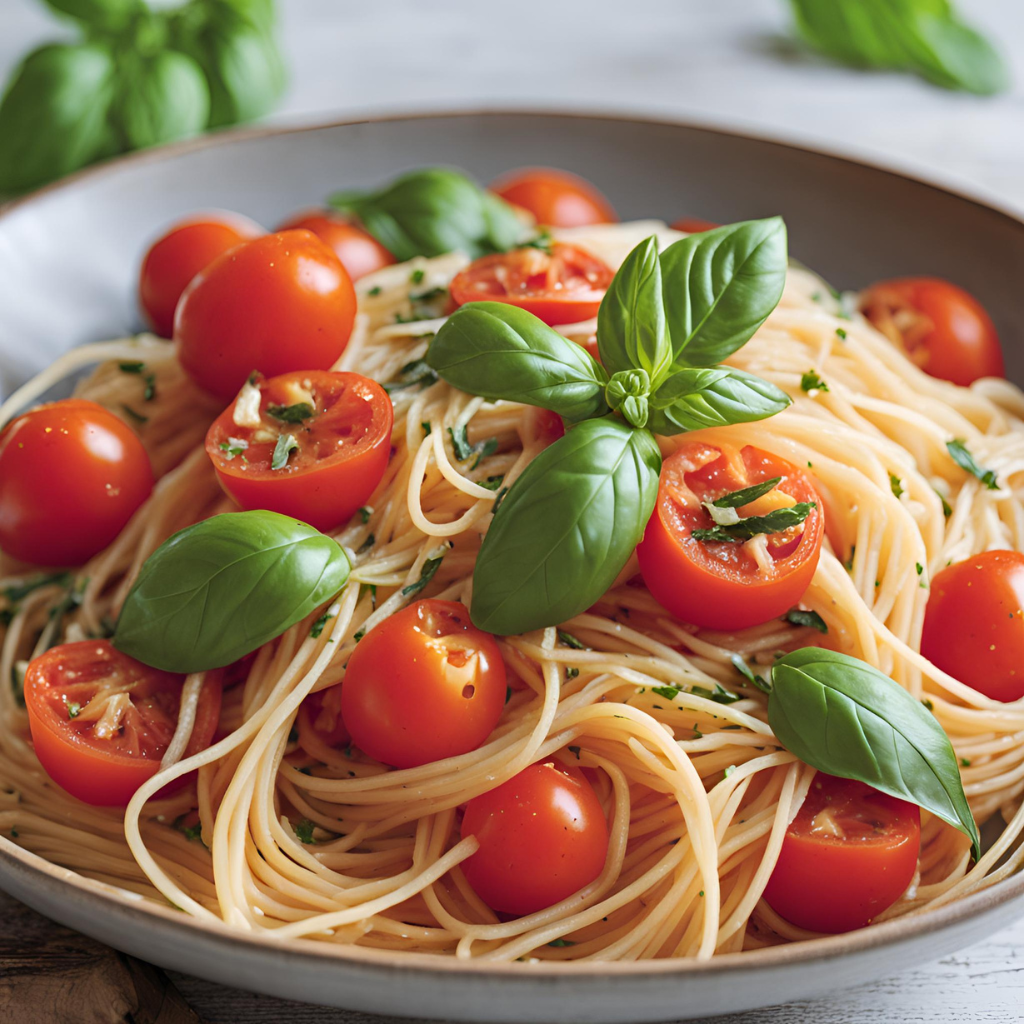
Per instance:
x=360, y=253
x=556, y=199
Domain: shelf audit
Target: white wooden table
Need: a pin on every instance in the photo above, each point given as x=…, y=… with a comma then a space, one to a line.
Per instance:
x=722, y=61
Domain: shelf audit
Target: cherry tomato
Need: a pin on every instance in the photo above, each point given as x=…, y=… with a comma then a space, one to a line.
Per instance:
x=71, y=476
x=974, y=623
x=849, y=854
x=360, y=253
x=543, y=836
x=101, y=721
x=561, y=287
x=548, y=425
x=719, y=584
x=275, y=304
x=942, y=328
x=176, y=257
x=341, y=448
x=320, y=716
x=693, y=225
x=555, y=198
x=423, y=685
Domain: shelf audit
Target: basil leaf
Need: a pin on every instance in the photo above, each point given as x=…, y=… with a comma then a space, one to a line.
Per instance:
x=692, y=398
x=291, y=413
x=720, y=286
x=799, y=617
x=744, y=496
x=497, y=351
x=566, y=528
x=109, y=15
x=965, y=460
x=955, y=56
x=414, y=374
x=286, y=444
x=842, y=716
x=777, y=521
x=217, y=590
x=162, y=97
x=631, y=330
x=431, y=212
x=54, y=115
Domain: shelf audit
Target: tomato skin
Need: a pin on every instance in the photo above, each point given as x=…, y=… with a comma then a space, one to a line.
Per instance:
x=353, y=425
x=275, y=304
x=827, y=883
x=543, y=836
x=974, y=623
x=694, y=225
x=716, y=585
x=177, y=256
x=563, y=287
x=942, y=328
x=87, y=456
x=556, y=198
x=423, y=685
x=320, y=717
x=360, y=253
x=107, y=772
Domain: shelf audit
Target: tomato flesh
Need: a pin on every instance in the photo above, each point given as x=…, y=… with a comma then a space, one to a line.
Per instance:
x=563, y=286
x=342, y=448
x=543, y=836
x=849, y=854
x=71, y=476
x=941, y=328
x=360, y=253
x=423, y=685
x=555, y=198
x=974, y=623
x=719, y=585
x=320, y=716
x=101, y=721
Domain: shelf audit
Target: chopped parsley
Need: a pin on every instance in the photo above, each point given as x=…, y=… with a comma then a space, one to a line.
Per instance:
x=542, y=242
x=131, y=367
x=571, y=673
x=896, y=484
x=286, y=444
x=412, y=375
x=291, y=413
x=318, y=627
x=430, y=566
x=464, y=450
x=735, y=499
x=919, y=567
x=137, y=416
x=74, y=710
x=720, y=695
x=947, y=509
x=928, y=704
x=963, y=458
x=559, y=943
x=779, y=520
x=374, y=291
x=426, y=428
x=366, y=545
x=849, y=562
x=965, y=762
x=304, y=831
x=371, y=589
x=148, y=379
x=810, y=381
x=416, y=277
x=365, y=512
x=799, y=617
x=492, y=483
x=570, y=641
x=841, y=333
x=748, y=673
x=233, y=446
x=697, y=734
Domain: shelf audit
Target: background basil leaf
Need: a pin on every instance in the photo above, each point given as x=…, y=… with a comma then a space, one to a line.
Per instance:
x=161, y=98
x=720, y=286
x=955, y=56
x=217, y=590
x=109, y=15
x=631, y=330
x=499, y=351
x=54, y=114
x=693, y=398
x=566, y=528
x=433, y=211
x=844, y=717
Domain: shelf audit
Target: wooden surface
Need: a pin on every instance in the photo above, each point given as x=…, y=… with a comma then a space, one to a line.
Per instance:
x=727, y=61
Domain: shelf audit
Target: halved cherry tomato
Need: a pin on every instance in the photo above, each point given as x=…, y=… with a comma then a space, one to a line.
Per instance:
x=176, y=257
x=101, y=721
x=974, y=623
x=360, y=253
x=849, y=854
x=340, y=430
x=548, y=425
x=557, y=199
x=71, y=476
x=279, y=303
x=693, y=225
x=320, y=716
x=543, y=836
x=561, y=287
x=720, y=584
x=423, y=685
x=940, y=327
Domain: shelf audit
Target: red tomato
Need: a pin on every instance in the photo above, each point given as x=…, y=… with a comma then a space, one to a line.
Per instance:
x=974, y=623
x=562, y=287
x=716, y=584
x=101, y=721
x=320, y=716
x=71, y=476
x=360, y=253
x=543, y=836
x=849, y=854
x=942, y=328
x=176, y=257
x=279, y=303
x=548, y=425
x=693, y=225
x=340, y=454
x=423, y=685
x=555, y=198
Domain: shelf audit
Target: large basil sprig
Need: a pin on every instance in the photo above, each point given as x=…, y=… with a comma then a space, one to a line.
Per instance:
x=842, y=716
x=431, y=212
x=217, y=590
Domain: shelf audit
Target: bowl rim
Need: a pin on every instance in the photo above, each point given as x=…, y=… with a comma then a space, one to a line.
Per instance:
x=35, y=871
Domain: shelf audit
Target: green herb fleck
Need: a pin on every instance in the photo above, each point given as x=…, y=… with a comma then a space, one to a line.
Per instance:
x=841, y=333
x=810, y=381
x=430, y=567
x=374, y=291
x=464, y=450
x=896, y=485
x=233, y=446
x=735, y=499
x=570, y=641
x=318, y=627
x=779, y=520
x=492, y=483
x=286, y=444
x=571, y=673
x=412, y=375
x=849, y=562
x=965, y=762
x=304, y=831
x=963, y=458
x=416, y=277
x=426, y=428
x=365, y=512
x=576, y=751
x=137, y=416
x=799, y=617
x=559, y=943
x=366, y=545
x=291, y=413
x=919, y=567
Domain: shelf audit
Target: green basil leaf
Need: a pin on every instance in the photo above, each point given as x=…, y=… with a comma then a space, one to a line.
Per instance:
x=217, y=590
x=843, y=717
x=744, y=496
x=955, y=56
x=777, y=521
x=566, y=528
x=498, y=351
x=162, y=98
x=431, y=212
x=108, y=15
x=631, y=330
x=54, y=115
x=693, y=398
x=720, y=286
x=965, y=460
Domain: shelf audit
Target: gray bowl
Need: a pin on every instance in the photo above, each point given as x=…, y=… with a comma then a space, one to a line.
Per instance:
x=68, y=259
